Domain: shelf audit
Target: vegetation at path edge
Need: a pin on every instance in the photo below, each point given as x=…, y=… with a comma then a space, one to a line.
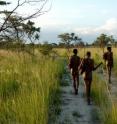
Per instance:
x=27, y=86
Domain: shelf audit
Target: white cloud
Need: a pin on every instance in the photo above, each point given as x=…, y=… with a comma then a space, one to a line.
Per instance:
x=109, y=27
x=88, y=34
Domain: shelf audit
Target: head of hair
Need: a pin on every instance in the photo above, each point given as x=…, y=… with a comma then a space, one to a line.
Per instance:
x=88, y=53
x=109, y=48
x=75, y=51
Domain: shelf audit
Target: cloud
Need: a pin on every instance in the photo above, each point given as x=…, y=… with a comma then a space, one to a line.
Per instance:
x=110, y=27
x=88, y=34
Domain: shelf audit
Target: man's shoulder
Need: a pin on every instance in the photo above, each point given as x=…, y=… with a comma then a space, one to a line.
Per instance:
x=106, y=52
x=78, y=57
x=74, y=56
x=109, y=53
x=88, y=59
x=92, y=59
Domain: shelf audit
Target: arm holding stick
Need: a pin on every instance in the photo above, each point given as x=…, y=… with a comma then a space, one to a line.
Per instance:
x=97, y=66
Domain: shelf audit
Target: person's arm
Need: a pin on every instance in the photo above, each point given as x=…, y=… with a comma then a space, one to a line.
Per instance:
x=93, y=65
x=81, y=66
x=105, y=57
x=112, y=60
x=70, y=63
x=97, y=66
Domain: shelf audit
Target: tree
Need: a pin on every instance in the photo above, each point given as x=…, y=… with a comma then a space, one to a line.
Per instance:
x=111, y=39
x=103, y=40
x=3, y=2
x=14, y=26
x=38, y=11
x=31, y=31
x=67, y=40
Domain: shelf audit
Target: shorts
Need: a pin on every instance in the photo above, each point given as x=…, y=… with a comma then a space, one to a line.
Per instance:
x=75, y=73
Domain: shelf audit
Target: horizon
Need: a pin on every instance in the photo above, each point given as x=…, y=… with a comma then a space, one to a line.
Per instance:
x=87, y=19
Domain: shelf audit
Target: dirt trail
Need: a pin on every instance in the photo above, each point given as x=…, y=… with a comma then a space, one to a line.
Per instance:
x=74, y=107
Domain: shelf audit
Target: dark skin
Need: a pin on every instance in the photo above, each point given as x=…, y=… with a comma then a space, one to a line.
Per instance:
x=74, y=71
x=88, y=85
x=88, y=75
x=86, y=68
x=75, y=81
x=109, y=67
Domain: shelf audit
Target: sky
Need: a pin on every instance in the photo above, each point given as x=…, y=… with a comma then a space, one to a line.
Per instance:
x=87, y=18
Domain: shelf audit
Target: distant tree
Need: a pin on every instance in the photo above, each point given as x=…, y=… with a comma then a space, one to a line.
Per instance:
x=111, y=39
x=61, y=45
x=103, y=40
x=46, y=48
x=54, y=45
x=115, y=44
x=79, y=43
x=68, y=40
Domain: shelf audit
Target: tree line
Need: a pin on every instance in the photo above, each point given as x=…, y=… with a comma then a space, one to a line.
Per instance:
x=20, y=33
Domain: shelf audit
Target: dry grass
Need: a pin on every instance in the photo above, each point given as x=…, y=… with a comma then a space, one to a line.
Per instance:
x=27, y=86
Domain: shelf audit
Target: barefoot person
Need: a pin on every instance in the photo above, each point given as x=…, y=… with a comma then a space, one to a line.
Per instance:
x=73, y=65
x=108, y=58
x=86, y=67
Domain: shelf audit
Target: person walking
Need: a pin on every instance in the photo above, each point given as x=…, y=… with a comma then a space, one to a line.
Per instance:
x=86, y=68
x=108, y=59
x=73, y=65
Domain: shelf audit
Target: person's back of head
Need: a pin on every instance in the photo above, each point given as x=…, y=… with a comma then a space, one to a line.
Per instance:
x=109, y=49
x=88, y=54
x=75, y=51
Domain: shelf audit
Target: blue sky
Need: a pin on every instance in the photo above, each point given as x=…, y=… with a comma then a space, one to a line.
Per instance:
x=87, y=18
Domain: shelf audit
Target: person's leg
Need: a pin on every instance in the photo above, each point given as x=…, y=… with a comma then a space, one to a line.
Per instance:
x=88, y=90
x=77, y=82
x=74, y=83
x=109, y=73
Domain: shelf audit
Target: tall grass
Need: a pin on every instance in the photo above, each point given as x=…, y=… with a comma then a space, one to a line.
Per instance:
x=101, y=97
x=27, y=86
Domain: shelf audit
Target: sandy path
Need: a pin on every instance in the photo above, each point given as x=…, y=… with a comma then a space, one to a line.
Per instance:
x=74, y=107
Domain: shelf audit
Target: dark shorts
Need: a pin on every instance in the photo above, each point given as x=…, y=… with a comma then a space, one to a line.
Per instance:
x=87, y=76
x=75, y=73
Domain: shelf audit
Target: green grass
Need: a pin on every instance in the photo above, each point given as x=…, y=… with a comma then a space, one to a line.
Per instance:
x=100, y=95
x=76, y=114
x=95, y=115
x=28, y=87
